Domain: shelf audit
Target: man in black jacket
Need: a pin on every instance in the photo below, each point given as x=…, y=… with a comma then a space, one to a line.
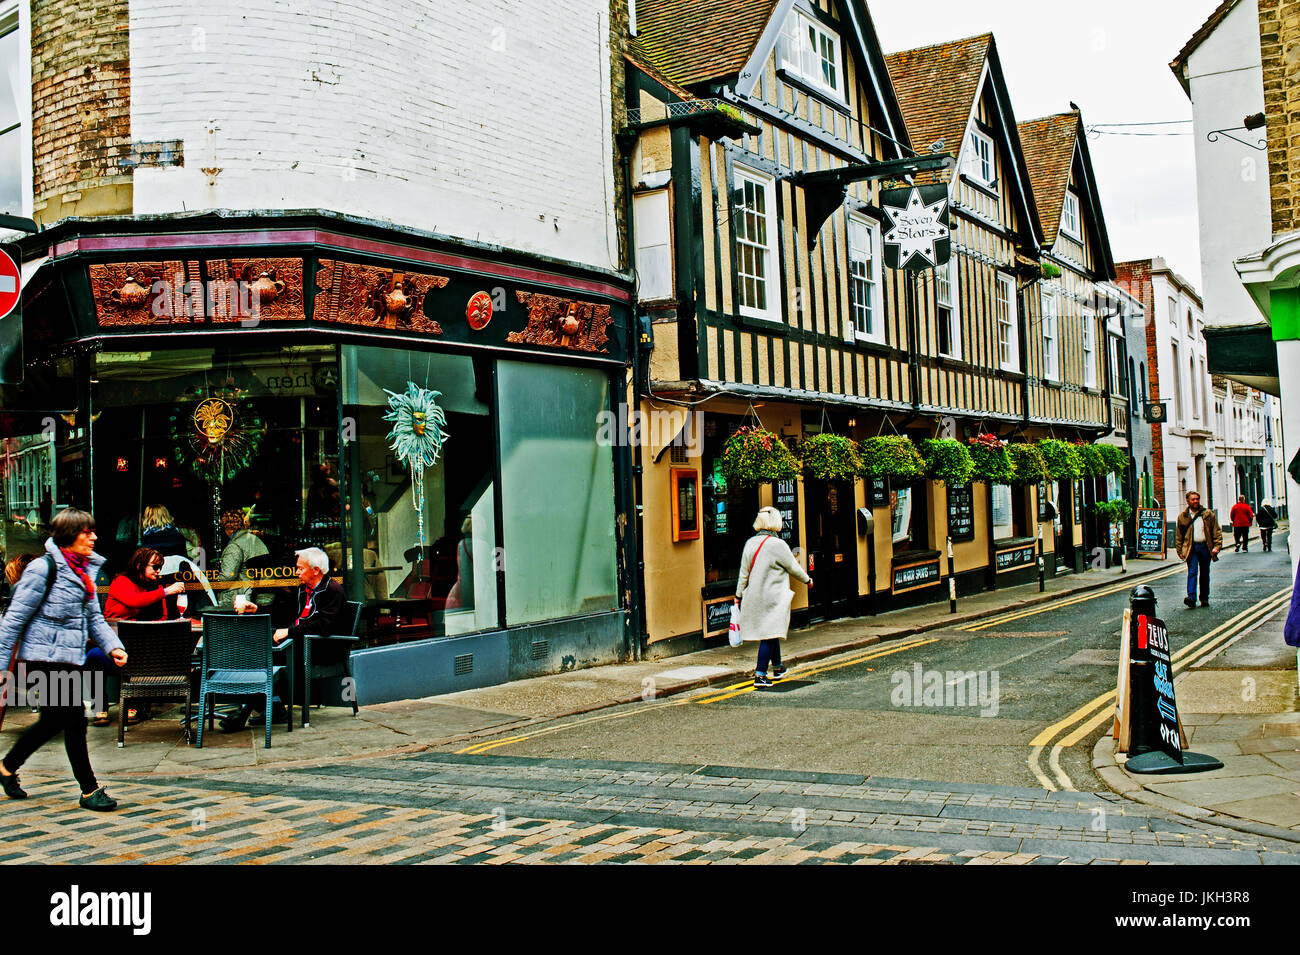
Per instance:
x=320, y=603
x=1266, y=518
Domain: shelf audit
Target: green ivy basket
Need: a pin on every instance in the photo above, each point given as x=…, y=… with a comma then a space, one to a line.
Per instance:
x=1114, y=511
x=990, y=460
x=1093, y=464
x=1027, y=464
x=948, y=461
x=1114, y=458
x=892, y=456
x=1062, y=459
x=755, y=456
x=831, y=457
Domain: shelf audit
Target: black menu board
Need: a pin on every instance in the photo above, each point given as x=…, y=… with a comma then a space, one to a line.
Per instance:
x=786, y=500
x=961, y=513
x=1151, y=531
x=878, y=491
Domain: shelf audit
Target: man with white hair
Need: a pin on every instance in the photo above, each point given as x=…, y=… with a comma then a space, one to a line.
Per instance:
x=320, y=602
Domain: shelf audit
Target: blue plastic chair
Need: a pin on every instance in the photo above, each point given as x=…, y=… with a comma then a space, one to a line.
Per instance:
x=237, y=660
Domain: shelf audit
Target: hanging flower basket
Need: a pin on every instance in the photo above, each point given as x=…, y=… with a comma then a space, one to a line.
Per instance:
x=1062, y=460
x=1114, y=458
x=892, y=456
x=1114, y=511
x=1027, y=464
x=989, y=456
x=1091, y=460
x=831, y=457
x=755, y=456
x=948, y=461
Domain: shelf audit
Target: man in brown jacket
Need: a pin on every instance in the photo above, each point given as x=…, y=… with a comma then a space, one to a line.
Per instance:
x=1198, y=541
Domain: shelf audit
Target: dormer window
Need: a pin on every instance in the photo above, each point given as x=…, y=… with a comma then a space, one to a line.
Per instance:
x=1070, y=217
x=979, y=164
x=811, y=53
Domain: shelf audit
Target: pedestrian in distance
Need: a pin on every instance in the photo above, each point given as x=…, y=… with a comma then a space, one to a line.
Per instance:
x=1266, y=518
x=1241, y=517
x=49, y=622
x=1198, y=541
x=764, y=593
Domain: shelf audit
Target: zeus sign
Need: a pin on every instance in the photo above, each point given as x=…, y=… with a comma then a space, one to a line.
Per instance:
x=916, y=227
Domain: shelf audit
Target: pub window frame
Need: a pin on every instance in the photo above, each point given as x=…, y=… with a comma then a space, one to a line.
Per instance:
x=873, y=308
x=1051, y=335
x=1006, y=318
x=947, y=314
x=771, y=312
x=1070, y=222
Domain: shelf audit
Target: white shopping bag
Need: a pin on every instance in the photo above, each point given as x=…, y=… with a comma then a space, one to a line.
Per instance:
x=733, y=632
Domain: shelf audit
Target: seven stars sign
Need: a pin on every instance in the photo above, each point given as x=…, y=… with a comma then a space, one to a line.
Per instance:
x=916, y=227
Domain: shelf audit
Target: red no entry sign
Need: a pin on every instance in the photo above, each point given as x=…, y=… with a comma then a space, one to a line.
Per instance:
x=10, y=284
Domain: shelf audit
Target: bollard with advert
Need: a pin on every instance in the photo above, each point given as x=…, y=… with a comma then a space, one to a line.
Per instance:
x=1042, y=565
x=952, y=581
x=1146, y=716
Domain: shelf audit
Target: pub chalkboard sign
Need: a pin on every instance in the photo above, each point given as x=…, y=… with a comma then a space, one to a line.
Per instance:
x=786, y=500
x=913, y=576
x=717, y=616
x=961, y=513
x=878, y=491
x=1154, y=638
x=1013, y=557
x=1151, y=532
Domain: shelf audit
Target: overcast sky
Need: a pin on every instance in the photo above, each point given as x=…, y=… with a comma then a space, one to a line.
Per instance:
x=1112, y=58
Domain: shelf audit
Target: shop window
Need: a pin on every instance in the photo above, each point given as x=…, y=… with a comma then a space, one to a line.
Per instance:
x=557, y=492
x=12, y=114
x=1004, y=520
x=728, y=512
x=204, y=432
x=447, y=587
x=28, y=468
x=910, y=514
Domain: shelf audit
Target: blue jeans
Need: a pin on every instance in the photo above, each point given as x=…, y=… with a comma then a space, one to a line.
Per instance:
x=769, y=651
x=1198, y=563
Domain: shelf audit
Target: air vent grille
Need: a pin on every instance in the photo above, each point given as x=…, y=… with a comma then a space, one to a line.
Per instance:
x=464, y=664
x=541, y=649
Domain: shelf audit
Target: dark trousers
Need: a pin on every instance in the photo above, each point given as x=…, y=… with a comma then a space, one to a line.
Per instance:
x=1266, y=537
x=1241, y=536
x=769, y=651
x=68, y=719
x=1198, y=566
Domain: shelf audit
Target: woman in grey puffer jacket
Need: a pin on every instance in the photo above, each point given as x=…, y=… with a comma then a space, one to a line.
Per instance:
x=50, y=639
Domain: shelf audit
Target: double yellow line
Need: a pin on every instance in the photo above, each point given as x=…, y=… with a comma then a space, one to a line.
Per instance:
x=1067, y=602
x=736, y=689
x=1083, y=721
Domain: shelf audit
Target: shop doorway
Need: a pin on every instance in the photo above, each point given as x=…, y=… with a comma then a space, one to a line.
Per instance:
x=833, y=548
x=1064, y=527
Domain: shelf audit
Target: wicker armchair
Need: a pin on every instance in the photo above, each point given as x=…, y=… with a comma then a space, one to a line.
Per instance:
x=237, y=661
x=158, y=666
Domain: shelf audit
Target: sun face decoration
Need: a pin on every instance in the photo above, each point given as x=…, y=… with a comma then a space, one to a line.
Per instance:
x=219, y=437
x=213, y=418
x=417, y=437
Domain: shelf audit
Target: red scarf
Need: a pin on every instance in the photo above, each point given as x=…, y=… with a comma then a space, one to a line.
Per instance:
x=78, y=565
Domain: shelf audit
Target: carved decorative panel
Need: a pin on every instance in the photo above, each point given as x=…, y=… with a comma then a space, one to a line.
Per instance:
x=376, y=297
x=563, y=323
x=147, y=293
x=268, y=289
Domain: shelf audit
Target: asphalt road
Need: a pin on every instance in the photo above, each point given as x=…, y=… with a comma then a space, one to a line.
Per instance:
x=961, y=706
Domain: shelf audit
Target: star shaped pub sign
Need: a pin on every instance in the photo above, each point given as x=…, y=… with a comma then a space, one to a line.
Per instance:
x=916, y=234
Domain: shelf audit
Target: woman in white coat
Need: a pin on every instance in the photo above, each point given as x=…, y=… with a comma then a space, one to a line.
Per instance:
x=764, y=593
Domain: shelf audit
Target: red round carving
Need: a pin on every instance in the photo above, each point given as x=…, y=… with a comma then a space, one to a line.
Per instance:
x=479, y=311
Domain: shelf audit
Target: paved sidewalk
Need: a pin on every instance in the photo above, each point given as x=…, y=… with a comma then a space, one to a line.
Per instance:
x=155, y=747
x=1242, y=708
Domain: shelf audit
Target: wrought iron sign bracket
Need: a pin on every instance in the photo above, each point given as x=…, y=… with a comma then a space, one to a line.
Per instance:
x=1214, y=134
x=826, y=189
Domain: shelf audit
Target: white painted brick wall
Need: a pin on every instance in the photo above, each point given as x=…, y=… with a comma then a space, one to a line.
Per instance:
x=486, y=119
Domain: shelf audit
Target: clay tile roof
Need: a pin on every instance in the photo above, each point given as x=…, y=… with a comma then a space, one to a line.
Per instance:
x=643, y=63
x=692, y=41
x=1048, y=144
x=1197, y=38
x=937, y=86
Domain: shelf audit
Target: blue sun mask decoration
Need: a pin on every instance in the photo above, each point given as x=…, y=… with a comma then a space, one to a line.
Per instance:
x=417, y=436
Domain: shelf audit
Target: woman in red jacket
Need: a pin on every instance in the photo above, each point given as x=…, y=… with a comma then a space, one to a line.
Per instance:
x=136, y=595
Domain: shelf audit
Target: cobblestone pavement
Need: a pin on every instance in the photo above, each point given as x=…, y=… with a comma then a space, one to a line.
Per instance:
x=440, y=807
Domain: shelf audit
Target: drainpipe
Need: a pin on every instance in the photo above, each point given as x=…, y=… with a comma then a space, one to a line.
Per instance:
x=626, y=143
